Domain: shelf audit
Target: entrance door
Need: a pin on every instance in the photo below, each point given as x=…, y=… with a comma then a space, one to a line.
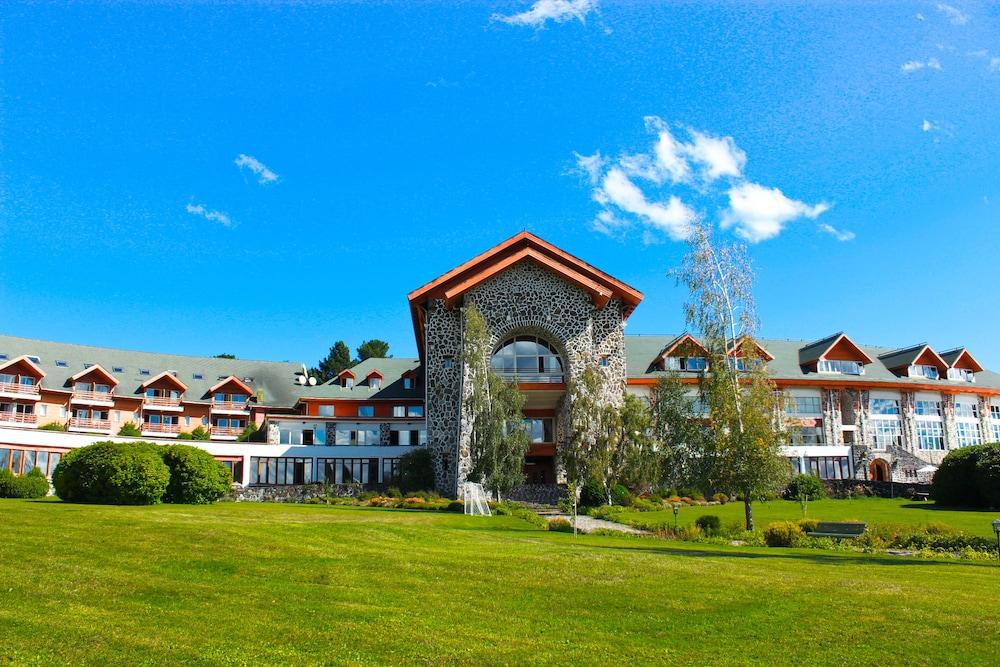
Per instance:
x=879, y=470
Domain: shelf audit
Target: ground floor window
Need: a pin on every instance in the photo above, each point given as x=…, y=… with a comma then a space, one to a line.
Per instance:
x=390, y=471
x=828, y=467
x=235, y=468
x=347, y=471
x=930, y=435
x=886, y=433
x=21, y=461
x=408, y=437
x=280, y=470
x=968, y=433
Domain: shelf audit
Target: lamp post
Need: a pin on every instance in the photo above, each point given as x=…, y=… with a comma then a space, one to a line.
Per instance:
x=996, y=529
x=677, y=508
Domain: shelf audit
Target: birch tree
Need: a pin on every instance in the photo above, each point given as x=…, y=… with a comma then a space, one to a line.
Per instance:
x=740, y=398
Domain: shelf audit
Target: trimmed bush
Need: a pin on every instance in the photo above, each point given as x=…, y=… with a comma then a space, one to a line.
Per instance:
x=721, y=498
x=456, y=506
x=31, y=485
x=808, y=525
x=196, y=477
x=620, y=495
x=592, y=494
x=806, y=487
x=988, y=475
x=115, y=473
x=969, y=477
x=129, y=429
x=710, y=524
x=560, y=525
x=416, y=470
x=52, y=426
x=781, y=534
x=8, y=484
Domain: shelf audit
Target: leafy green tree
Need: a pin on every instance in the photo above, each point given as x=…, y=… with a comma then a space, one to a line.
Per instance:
x=679, y=431
x=636, y=462
x=330, y=366
x=373, y=348
x=741, y=399
x=595, y=433
x=498, y=440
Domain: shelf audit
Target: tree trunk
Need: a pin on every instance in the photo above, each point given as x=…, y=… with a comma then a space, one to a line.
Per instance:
x=748, y=511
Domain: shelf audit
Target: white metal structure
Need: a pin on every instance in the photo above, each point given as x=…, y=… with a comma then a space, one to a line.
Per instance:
x=475, y=499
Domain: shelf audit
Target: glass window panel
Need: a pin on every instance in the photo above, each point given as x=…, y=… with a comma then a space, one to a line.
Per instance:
x=4, y=458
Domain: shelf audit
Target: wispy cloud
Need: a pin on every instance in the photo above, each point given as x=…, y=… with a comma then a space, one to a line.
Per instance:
x=839, y=234
x=257, y=167
x=654, y=191
x=208, y=214
x=920, y=17
x=995, y=63
x=928, y=126
x=543, y=11
x=915, y=65
x=953, y=14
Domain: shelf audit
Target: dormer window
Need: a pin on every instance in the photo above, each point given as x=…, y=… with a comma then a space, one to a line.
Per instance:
x=693, y=364
x=961, y=374
x=349, y=382
x=375, y=383
x=923, y=371
x=841, y=367
x=407, y=383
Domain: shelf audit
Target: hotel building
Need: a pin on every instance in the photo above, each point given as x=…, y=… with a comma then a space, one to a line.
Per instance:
x=854, y=411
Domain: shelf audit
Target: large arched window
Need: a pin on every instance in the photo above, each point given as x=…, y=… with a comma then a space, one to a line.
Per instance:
x=529, y=359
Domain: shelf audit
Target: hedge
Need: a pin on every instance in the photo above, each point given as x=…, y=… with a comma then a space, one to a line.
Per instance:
x=196, y=477
x=969, y=477
x=115, y=473
x=31, y=485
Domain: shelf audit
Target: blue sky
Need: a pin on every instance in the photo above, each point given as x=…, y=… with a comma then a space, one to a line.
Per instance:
x=266, y=179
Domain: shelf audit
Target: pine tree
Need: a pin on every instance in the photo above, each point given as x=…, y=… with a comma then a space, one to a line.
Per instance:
x=329, y=367
x=373, y=348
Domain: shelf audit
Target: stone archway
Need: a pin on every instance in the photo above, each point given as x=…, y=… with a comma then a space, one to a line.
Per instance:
x=879, y=470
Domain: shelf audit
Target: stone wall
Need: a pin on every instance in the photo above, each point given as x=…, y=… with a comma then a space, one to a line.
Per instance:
x=291, y=493
x=836, y=487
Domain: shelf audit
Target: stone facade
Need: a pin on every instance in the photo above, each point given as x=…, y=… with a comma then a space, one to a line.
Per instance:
x=523, y=299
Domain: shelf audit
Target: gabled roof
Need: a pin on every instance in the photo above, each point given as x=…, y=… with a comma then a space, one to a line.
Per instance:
x=960, y=354
x=24, y=360
x=525, y=246
x=818, y=350
x=346, y=371
x=734, y=348
x=684, y=338
x=232, y=378
x=909, y=356
x=167, y=375
x=373, y=373
x=392, y=369
x=96, y=368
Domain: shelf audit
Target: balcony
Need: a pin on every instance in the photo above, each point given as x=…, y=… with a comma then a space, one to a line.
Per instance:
x=11, y=418
x=92, y=398
x=23, y=391
x=532, y=378
x=167, y=430
x=226, y=432
x=83, y=424
x=161, y=403
x=231, y=407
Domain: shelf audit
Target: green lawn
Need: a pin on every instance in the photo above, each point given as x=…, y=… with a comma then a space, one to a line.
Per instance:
x=305, y=584
x=869, y=510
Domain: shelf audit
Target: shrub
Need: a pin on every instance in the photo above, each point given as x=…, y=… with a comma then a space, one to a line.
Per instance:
x=805, y=487
x=251, y=434
x=8, y=483
x=196, y=477
x=988, y=475
x=955, y=480
x=201, y=433
x=456, y=506
x=781, y=534
x=709, y=524
x=394, y=492
x=808, y=525
x=31, y=485
x=184, y=435
x=130, y=429
x=416, y=470
x=620, y=495
x=592, y=494
x=606, y=512
x=116, y=473
x=647, y=504
x=52, y=426
x=721, y=498
x=560, y=525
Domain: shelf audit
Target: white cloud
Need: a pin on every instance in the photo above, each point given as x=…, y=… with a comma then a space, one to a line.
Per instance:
x=839, y=234
x=934, y=63
x=673, y=217
x=953, y=14
x=257, y=167
x=995, y=63
x=927, y=126
x=214, y=216
x=920, y=17
x=759, y=213
x=591, y=166
x=979, y=53
x=543, y=11
x=719, y=155
x=914, y=65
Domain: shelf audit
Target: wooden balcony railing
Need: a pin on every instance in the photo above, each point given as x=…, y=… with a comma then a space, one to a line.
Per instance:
x=242, y=406
x=16, y=388
x=92, y=396
x=91, y=424
x=150, y=427
x=161, y=401
x=227, y=431
x=10, y=416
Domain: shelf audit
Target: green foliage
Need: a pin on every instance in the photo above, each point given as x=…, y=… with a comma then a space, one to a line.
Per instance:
x=416, y=470
x=969, y=477
x=805, y=487
x=249, y=433
x=373, y=348
x=782, y=533
x=636, y=461
x=115, y=473
x=130, y=429
x=225, y=355
x=508, y=508
x=620, y=495
x=394, y=492
x=560, y=525
x=196, y=477
x=720, y=498
x=456, y=506
x=808, y=525
x=678, y=429
x=592, y=494
x=709, y=524
x=201, y=433
x=184, y=435
x=31, y=485
x=52, y=426
x=335, y=361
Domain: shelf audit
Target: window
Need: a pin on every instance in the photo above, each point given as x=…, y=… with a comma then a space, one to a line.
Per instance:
x=280, y=470
x=961, y=374
x=366, y=410
x=804, y=405
x=415, y=411
x=3, y=356
x=117, y=369
x=605, y=361
x=204, y=421
x=390, y=471
x=187, y=421
x=528, y=357
x=348, y=382
x=841, y=367
x=87, y=365
x=448, y=362
x=994, y=411
x=143, y=371
x=685, y=364
x=886, y=433
x=406, y=437
x=62, y=364
x=884, y=406
x=347, y=471
x=928, y=408
x=805, y=435
x=930, y=434
x=540, y=430
x=966, y=409
x=21, y=461
x=27, y=381
x=829, y=467
x=197, y=376
x=326, y=411
x=375, y=382
x=399, y=411
x=34, y=358
x=42, y=410
x=355, y=435
x=921, y=370
x=968, y=433
x=407, y=383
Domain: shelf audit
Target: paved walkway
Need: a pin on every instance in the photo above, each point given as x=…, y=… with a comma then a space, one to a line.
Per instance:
x=586, y=524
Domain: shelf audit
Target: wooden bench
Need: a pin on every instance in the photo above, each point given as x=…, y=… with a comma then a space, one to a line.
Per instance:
x=921, y=496
x=839, y=529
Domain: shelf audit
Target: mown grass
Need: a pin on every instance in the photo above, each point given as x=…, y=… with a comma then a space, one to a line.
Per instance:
x=879, y=511
x=300, y=584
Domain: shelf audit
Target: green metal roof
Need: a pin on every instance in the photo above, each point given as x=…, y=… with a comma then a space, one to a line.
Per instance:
x=392, y=370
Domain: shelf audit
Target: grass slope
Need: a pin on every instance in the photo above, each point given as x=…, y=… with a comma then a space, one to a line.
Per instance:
x=871, y=510
x=301, y=584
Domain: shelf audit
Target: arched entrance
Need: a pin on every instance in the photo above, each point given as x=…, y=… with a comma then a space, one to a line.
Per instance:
x=879, y=470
